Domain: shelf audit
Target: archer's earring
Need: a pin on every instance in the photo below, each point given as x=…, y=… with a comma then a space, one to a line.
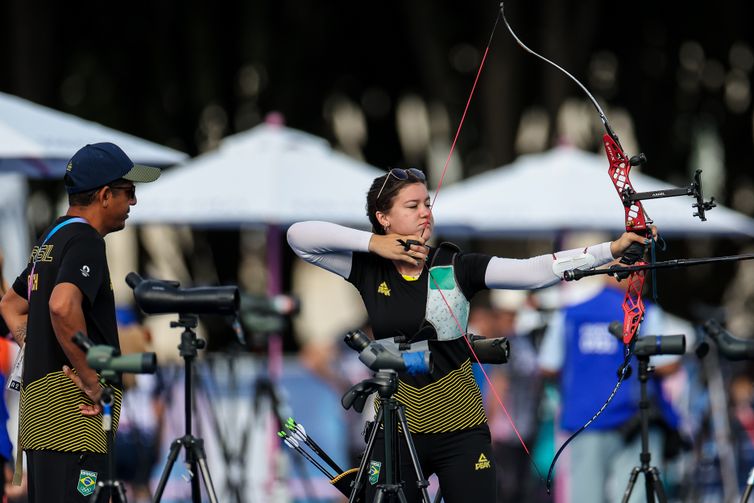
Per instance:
x=387, y=229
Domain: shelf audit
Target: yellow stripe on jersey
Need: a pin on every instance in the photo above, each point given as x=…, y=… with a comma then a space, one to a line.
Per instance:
x=451, y=403
x=50, y=417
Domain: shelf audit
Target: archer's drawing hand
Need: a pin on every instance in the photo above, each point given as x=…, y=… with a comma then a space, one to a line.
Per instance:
x=393, y=247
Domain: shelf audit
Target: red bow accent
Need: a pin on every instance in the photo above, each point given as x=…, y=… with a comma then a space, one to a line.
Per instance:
x=636, y=221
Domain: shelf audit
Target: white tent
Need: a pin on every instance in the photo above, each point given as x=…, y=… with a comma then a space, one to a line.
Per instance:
x=14, y=236
x=38, y=141
x=566, y=189
x=267, y=175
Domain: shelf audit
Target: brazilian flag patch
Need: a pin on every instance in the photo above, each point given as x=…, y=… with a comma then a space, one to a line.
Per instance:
x=87, y=482
x=374, y=471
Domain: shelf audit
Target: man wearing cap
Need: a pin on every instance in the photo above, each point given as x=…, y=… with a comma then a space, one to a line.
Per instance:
x=66, y=288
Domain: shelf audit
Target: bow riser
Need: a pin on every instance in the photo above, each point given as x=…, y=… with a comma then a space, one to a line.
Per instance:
x=633, y=306
x=636, y=221
x=619, y=170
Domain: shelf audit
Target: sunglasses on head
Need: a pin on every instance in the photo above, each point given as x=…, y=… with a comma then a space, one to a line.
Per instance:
x=401, y=174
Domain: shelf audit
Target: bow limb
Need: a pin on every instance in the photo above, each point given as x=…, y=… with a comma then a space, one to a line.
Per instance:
x=622, y=374
x=636, y=219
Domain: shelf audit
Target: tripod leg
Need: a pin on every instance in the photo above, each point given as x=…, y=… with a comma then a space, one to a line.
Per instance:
x=175, y=449
x=207, y=479
x=659, y=490
x=120, y=490
x=359, y=481
x=117, y=492
x=97, y=491
x=631, y=482
x=749, y=486
x=420, y=480
x=197, y=448
x=746, y=494
x=384, y=494
x=649, y=487
x=196, y=490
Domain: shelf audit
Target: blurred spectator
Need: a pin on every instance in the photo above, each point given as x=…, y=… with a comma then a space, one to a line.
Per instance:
x=579, y=349
x=138, y=439
x=742, y=423
x=3, y=288
x=518, y=385
x=6, y=447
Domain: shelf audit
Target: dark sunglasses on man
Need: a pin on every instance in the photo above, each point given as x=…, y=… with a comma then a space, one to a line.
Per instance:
x=130, y=190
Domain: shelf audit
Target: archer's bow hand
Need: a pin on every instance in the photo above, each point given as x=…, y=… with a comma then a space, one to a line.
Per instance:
x=620, y=245
x=393, y=247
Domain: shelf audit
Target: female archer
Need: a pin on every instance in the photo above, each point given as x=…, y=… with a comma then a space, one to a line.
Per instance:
x=417, y=292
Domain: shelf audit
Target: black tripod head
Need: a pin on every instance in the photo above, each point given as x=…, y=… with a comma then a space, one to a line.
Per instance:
x=732, y=348
x=385, y=382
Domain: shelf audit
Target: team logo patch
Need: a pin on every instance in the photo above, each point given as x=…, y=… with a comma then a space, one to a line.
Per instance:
x=85, y=271
x=374, y=471
x=482, y=463
x=383, y=289
x=87, y=482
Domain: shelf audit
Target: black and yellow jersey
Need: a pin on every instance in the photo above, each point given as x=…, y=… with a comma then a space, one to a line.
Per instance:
x=50, y=417
x=447, y=399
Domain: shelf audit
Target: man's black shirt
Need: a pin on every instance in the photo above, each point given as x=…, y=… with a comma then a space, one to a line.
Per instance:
x=74, y=254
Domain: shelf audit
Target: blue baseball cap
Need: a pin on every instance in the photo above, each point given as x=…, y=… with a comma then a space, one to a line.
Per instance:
x=98, y=164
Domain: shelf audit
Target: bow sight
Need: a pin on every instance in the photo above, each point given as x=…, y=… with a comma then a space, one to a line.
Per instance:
x=694, y=189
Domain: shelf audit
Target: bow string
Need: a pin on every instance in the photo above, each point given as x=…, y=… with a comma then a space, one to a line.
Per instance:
x=461, y=329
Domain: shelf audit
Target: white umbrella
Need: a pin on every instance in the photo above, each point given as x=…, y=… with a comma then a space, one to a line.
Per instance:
x=267, y=175
x=567, y=189
x=38, y=141
x=14, y=235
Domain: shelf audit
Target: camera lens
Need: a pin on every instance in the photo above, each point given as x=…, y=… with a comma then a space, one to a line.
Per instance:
x=357, y=340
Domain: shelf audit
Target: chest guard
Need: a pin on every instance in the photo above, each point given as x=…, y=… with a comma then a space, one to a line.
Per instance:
x=443, y=291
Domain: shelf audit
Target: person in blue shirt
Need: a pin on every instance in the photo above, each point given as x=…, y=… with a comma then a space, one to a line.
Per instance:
x=6, y=447
x=581, y=352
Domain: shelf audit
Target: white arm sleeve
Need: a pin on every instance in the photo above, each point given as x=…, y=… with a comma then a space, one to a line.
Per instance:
x=537, y=272
x=329, y=246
